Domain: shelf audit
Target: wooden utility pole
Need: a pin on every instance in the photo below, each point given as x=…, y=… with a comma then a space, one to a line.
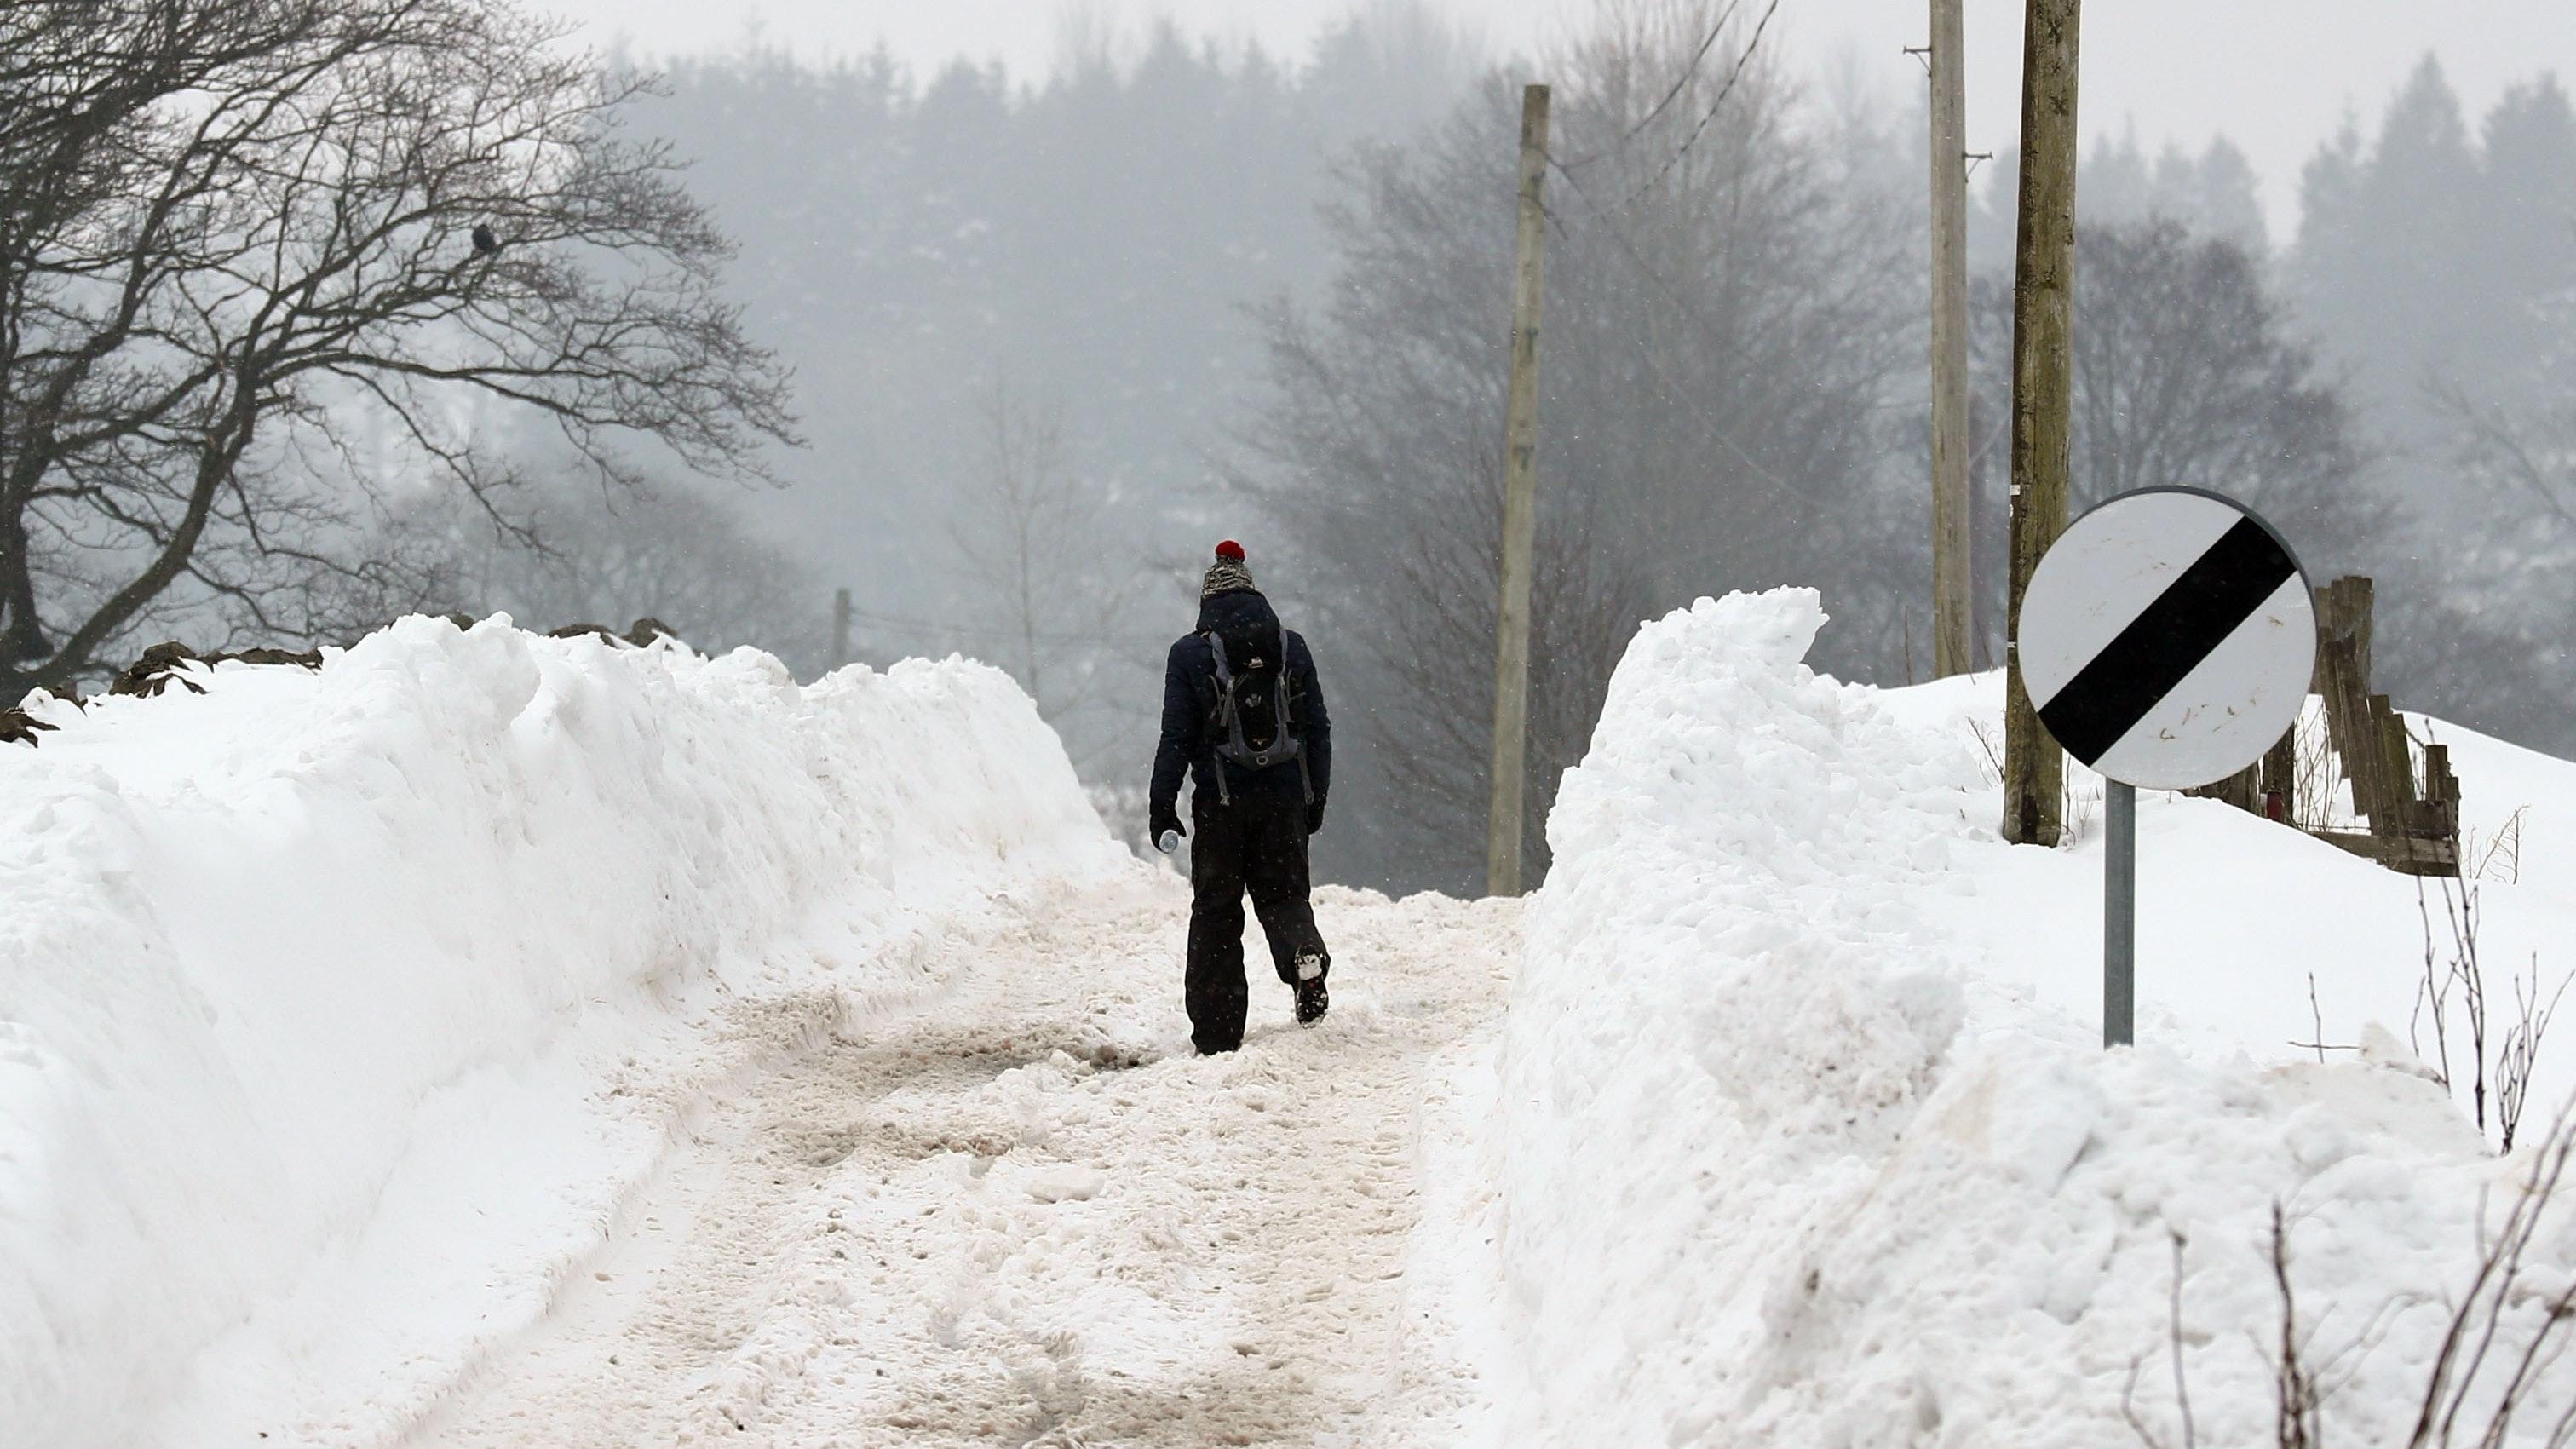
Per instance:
x=1982, y=629
x=1520, y=443
x=1951, y=559
x=2043, y=388
x=840, y=628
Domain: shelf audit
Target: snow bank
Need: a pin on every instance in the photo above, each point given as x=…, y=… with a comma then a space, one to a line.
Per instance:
x=1794, y=1149
x=339, y=1010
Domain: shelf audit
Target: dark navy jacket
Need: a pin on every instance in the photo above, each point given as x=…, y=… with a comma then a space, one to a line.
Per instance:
x=1246, y=621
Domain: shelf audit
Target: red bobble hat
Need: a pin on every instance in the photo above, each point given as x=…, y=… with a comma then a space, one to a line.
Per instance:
x=1228, y=573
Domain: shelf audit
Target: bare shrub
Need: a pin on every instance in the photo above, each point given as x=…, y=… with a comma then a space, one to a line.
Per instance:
x=2499, y=1308
x=2190, y=1431
x=2454, y=995
x=2498, y=856
x=2493, y=1379
x=2298, y=1403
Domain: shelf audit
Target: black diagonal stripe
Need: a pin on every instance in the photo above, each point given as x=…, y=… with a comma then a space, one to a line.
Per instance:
x=2191, y=618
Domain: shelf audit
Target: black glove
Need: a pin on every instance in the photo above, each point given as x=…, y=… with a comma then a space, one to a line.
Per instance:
x=1314, y=816
x=1168, y=822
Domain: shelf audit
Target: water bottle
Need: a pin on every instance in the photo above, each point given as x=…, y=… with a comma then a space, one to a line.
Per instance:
x=1168, y=841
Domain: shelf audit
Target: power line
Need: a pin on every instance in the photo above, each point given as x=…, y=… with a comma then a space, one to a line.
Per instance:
x=1689, y=308
x=1714, y=107
x=1689, y=72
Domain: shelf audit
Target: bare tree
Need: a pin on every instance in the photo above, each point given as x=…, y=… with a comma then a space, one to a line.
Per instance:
x=2513, y=452
x=1032, y=530
x=256, y=255
x=2484, y=640
x=1723, y=335
x=2525, y=455
x=2187, y=374
x=1413, y=552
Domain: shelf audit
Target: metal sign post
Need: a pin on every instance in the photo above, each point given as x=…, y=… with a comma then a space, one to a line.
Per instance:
x=2119, y=914
x=2166, y=640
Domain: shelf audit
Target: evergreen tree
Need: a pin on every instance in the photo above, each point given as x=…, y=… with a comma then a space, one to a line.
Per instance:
x=2420, y=254
x=2426, y=260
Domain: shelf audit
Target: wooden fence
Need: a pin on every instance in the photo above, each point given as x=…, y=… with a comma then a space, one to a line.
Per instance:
x=2412, y=814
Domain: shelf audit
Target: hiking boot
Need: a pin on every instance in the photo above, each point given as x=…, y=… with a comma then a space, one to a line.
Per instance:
x=1311, y=1001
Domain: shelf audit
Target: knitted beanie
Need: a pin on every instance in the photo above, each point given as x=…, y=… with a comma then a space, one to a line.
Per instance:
x=1228, y=572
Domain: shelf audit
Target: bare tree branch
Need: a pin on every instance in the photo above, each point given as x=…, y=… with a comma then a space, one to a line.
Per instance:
x=237, y=257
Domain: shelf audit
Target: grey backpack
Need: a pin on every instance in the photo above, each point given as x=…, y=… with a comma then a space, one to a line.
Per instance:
x=1255, y=723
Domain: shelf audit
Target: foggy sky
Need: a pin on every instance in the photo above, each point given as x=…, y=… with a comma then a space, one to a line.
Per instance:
x=2277, y=76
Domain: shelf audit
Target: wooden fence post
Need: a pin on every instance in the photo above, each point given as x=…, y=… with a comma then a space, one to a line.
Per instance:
x=2411, y=828
x=2239, y=789
x=2343, y=679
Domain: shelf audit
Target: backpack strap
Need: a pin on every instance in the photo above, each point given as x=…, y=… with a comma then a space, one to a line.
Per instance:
x=1216, y=648
x=1225, y=719
x=1305, y=780
x=1289, y=728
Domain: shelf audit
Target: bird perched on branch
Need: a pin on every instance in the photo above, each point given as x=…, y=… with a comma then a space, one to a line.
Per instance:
x=485, y=243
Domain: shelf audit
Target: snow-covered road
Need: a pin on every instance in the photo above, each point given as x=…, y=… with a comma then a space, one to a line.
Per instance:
x=1024, y=1214
x=494, y=1040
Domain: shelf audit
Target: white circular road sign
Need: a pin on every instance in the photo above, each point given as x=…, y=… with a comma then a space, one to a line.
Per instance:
x=2167, y=638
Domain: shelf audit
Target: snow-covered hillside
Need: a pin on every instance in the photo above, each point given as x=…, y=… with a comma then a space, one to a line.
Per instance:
x=339, y=1010
x=1801, y=1134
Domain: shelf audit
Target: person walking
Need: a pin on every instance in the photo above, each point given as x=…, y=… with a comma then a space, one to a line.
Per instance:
x=1244, y=718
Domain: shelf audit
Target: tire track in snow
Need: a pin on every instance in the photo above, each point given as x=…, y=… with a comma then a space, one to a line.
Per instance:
x=1025, y=1215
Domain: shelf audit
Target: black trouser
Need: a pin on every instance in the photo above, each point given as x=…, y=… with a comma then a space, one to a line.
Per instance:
x=1256, y=844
